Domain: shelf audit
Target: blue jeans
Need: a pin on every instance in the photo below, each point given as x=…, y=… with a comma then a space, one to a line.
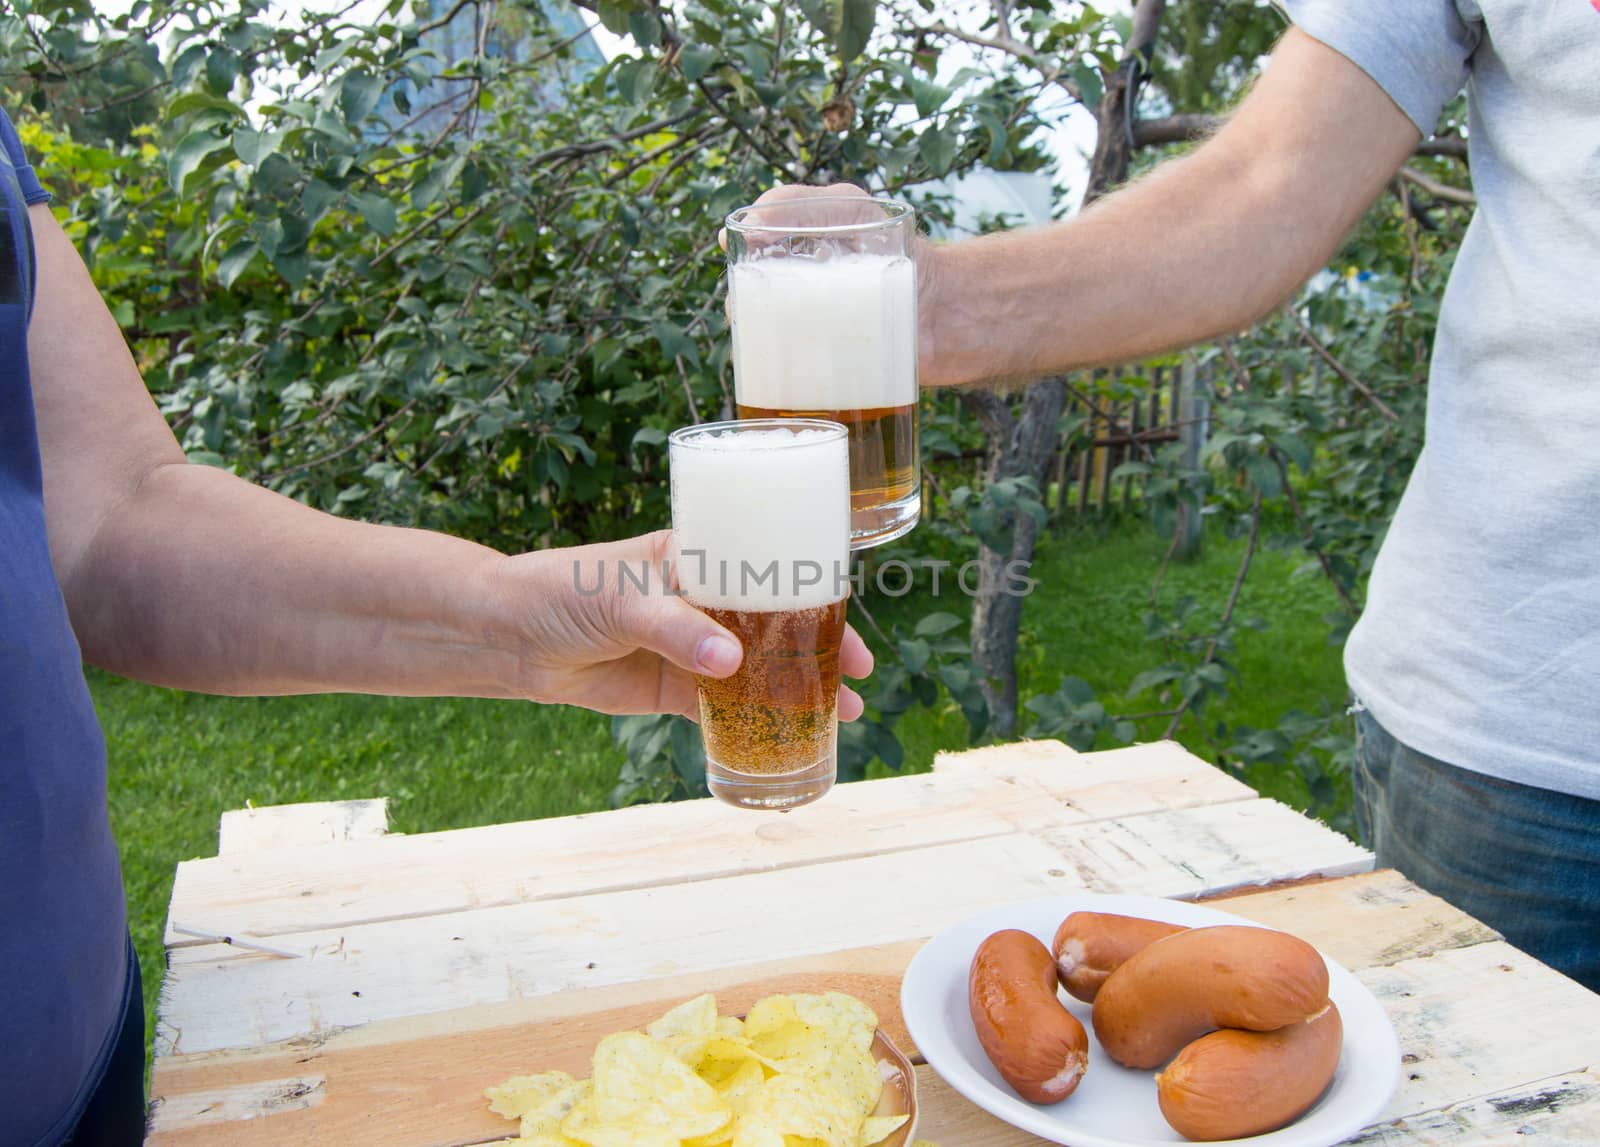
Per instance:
x=1523, y=860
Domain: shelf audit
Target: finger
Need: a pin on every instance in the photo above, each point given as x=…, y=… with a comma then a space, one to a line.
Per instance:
x=851, y=706
x=677, y=631
x=855, y=659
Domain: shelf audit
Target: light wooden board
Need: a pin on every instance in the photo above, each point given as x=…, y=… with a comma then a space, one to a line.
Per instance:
x=296, y=826
x=1562, y=1111
x=1453, y=1008
x=409, y=966
x=1207, y=849
x=267, y=893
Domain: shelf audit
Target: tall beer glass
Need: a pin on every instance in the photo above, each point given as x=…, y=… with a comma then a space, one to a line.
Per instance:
x=822, y=299
x=761, y=539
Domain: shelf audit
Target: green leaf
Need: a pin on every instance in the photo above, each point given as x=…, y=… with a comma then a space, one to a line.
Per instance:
x=929, y=98
x=358, y=95
x=614, y=15
x=316, y=197
x=823, y=14
x=1091, y=86
x=916, y=654
x=376, y=209
x=293, y=266
x=222, y=69
x=635, y=79
x=439, y=177
x=937, y=146
x=855, y=27
x=1150, y=678
x=254, y=146
x=695, y=61
x=938, y=623
x=190, y=153
x=234, y=261
x=650, y=436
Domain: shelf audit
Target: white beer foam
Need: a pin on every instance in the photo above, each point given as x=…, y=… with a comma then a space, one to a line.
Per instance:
x=761, y=519
x=824, y=333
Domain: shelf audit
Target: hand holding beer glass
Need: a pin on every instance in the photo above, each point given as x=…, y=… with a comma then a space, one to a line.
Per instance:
x=822, y=300
x=761, y=541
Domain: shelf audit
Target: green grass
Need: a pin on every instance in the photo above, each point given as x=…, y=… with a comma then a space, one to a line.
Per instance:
x=1086, y=618
x=178, y=760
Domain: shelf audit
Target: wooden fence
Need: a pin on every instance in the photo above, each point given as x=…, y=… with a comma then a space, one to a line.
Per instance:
x=1166, y=404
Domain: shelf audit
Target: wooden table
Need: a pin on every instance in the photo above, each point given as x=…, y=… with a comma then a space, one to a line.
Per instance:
x=438, y=964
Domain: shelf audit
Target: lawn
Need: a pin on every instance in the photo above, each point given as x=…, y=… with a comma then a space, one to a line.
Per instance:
x=179, y=760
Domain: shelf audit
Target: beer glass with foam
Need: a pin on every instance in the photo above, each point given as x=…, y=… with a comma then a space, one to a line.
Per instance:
x=822, y=300
x=761, y=543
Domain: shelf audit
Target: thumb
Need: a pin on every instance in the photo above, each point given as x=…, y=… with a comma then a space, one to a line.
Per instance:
x=670, y=626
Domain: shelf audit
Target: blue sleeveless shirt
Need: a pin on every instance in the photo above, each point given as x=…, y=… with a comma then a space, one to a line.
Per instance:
x=63, y=927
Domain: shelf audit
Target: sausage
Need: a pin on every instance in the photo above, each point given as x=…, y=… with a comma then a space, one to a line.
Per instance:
x=1231, y=1084
x=1038, y=1046
x=1089, y=946
x=1228, y=976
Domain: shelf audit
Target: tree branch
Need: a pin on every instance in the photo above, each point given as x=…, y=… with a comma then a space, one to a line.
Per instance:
x=1340, y=369
x=1227, y=612
x=1438, y=190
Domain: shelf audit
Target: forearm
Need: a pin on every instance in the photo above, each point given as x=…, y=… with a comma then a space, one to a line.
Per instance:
x=1204, y=245
x=204, y=582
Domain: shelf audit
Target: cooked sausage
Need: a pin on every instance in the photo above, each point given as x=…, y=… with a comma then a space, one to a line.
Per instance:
x=1037, y=1046
x=1229, y=976
x=1231, y=1084
x=1089, y=946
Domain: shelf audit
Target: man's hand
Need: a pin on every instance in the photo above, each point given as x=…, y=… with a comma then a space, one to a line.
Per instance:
x=1205, y=245
x=594, y=639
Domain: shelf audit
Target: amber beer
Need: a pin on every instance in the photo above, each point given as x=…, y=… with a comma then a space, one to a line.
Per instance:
x=761, y=527
x=822, y=301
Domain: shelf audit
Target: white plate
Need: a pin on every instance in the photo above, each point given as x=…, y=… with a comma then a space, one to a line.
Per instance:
x=1116, y=1106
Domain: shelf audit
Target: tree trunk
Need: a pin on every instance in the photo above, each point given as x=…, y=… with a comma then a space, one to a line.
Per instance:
x=1021, y=444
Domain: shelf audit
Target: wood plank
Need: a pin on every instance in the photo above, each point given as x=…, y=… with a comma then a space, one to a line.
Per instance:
x=1208, y=849
x=215, y=998
x=1482, y=1020
x=998, y=791
x=1562, y=1111
x=247, y=1103
x=1399, y=921
x=295, y=826
x=948, y=1120
x=1113, y=783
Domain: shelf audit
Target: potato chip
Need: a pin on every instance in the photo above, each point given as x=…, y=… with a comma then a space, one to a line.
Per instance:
x=637, y=1080
x=877, y=1128
x=798, y=1105
x=696, y=1017
x=524, y=1093
x=840, y=1014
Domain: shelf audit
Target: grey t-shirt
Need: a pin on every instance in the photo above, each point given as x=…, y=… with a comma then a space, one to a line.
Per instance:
x=1480, y=644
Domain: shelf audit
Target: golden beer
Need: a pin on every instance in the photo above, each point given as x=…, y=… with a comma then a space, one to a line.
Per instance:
x=777, y=714
x=883, y=449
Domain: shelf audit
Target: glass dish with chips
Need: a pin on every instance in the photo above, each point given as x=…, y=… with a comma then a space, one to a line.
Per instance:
x=795, y=1071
